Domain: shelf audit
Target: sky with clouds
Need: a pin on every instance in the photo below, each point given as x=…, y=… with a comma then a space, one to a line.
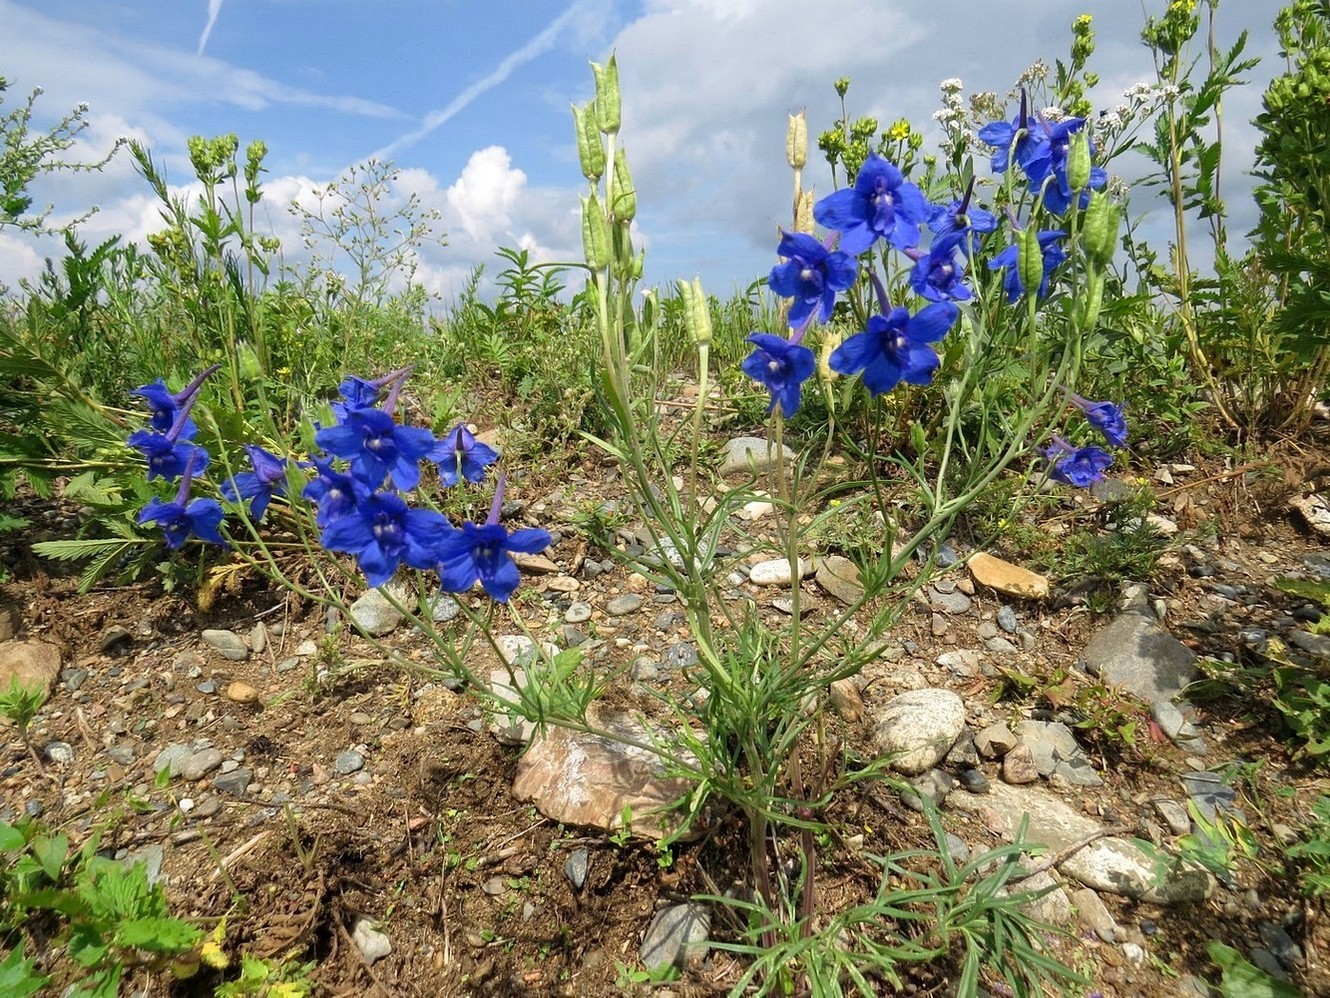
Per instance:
x=471, y=101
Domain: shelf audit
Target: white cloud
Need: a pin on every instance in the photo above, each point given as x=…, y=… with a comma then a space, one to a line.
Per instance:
x=483, y=196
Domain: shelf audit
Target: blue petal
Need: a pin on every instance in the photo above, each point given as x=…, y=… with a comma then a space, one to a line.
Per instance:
x=855, y=353
x=931, y=322
x=841, y=210
x=501, y=579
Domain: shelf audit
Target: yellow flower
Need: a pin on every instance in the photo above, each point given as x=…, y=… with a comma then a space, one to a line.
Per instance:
x=900, y=131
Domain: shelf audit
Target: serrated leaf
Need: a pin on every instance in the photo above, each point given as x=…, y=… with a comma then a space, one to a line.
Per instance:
x=8, y=522
x=157, y=935
x=75, y=550
x=18, y=975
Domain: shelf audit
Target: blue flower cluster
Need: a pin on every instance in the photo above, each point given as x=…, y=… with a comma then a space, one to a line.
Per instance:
x=1042, y=150
x=1083, y=466
x=357, y=487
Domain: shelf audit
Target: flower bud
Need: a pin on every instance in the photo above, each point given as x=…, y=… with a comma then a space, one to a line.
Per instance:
x=696, y=311
x=608, y=114
x=595, y=234
x=1029, y=260
x=1078, y=161
x=622, y=195
x=1100, y=229
x=590, y=150
x=796, y=141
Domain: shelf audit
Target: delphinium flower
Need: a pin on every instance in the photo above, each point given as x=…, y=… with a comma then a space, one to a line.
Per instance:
x=882, y=204
x=167, y=453
x=811, y=275
x=1106, y=417
x=165, y=405
x=1078, y=466
x=460, y=455
x=938, y=274
x=377, y=448
x=895, y=347
x=382, y=532
x=964, y=218
x=362, y=393
x=1053, y=256
x=178, y=519
x=483, y=553
x=782, y=366
x=1050, y=164
x=1017, y=137
x=268, y=479
x=334, y=493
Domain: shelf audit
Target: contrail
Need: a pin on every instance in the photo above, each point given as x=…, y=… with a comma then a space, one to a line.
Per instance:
x=214, y=8
x=542, y=43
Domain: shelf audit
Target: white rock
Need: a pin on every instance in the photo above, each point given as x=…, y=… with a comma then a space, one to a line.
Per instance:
x=776, y=572
x=916, y=729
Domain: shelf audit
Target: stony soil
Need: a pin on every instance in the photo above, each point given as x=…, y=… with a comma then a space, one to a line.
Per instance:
x=344, y=791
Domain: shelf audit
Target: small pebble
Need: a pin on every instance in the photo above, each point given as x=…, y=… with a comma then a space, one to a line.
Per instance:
x=348, y=762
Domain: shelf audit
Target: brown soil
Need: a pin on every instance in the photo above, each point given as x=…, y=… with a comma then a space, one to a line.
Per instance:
x=469, y=883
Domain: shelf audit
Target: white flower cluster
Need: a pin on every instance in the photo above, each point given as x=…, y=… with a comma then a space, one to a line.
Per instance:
x=951, y=116
x=1138, y=100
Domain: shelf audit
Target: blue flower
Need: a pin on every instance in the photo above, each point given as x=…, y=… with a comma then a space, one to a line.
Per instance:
x=1051, y=161
x=166, y=406
x=964, y=219
x=881, y=204
x=334, y=492
x=1078, y=466
x=781, y=365
x=168, y=456
x=937, y=274
x=378, y=448
x=1053, y=256
x=1106, y=417
x=895, y=348
x=268, y=479
x=361, y=393
x=382, y=532
x=811, y=276
x=1016, y=137
x=482, y=554
x=460, y=455
x=178, y=520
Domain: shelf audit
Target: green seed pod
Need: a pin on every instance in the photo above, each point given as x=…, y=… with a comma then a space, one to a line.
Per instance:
x=696, y=311
x=1100, y=229
x=796, y=141
x=1089, y=302
x=622, y=194
x=650, y=309
x=595, y=234
x=608, y=113
x=1029, y=259
x=621, y=250
x=590, y=150
x=1078, y=161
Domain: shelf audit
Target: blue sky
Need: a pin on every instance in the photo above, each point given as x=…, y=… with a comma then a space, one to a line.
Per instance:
x=471, y=101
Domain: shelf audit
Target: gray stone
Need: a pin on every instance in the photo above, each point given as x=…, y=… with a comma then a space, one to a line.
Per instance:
x=1173, y=723
x=375, y=615
x=644, y=669
x=577, y=613
x=1315, y=645
x=1174, y=815
x=172, y=758
x=995, y=741
x=932, y=788
x=1210, y=794
x=151, y=857
x=1055, y=750
x=200, y=764
x=60, y=753
x=681, y=655
x=676, y=937
x=443, y=608
x=73, y=678
x=752, y=454
x=1110, y=864
x=1134, y=652
x=916, y=729
x=121, y=754
x=1006, y=619
x=953, y=603
x=348, y=762
x=1018, y=766
x=975, y=781
x=1094, y=914
x=235, y=782
x=1053, y=907
x=1281, y=944
x=373, y=944
x=227, y=643
x=623, y=605
x=576, y=867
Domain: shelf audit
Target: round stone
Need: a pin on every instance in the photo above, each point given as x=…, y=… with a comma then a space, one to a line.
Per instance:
x=577, y=613
x=622, y=605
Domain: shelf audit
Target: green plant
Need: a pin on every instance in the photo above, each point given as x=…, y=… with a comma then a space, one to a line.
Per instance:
x=1313, y=852
x=1240, y=979
x=105, y=915
x=20, y=704
x=265, y=979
